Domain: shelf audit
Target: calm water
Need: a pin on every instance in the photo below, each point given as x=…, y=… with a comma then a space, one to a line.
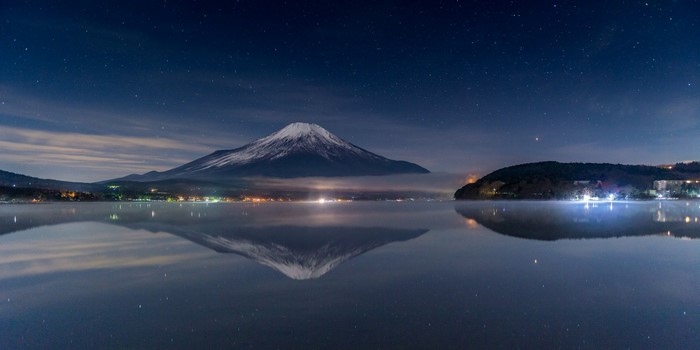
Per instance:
x=350, y=275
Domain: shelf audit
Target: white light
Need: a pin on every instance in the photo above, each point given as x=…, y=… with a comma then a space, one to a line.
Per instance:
x=586, y=198
x=611, y=197
x=322, y=200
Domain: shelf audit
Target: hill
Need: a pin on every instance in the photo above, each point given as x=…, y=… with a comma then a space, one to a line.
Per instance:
x=22, y=188
x=14, y=180
x=554, y=180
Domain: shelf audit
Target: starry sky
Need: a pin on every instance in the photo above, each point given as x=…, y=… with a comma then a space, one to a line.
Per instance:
x=92, y=90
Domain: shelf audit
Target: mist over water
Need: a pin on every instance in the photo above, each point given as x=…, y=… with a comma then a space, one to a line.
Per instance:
x=438, y=185
x=350, y=275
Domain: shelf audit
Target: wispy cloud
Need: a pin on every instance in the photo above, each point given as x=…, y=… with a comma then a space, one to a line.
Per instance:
x=26, y=110
x=109, y=154
x=67, y=140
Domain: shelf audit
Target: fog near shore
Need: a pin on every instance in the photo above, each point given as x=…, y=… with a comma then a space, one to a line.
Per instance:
x=442, y=184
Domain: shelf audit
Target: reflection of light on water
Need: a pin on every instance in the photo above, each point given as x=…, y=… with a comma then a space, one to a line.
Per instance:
x=668, y=213
x=15, y=219
x=153, y=213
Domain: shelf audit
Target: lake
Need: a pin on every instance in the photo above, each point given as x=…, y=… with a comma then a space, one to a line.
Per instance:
x=355, y=275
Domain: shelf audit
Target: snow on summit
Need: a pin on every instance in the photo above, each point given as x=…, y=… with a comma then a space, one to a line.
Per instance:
x=300, y=129
x=304, y=135
x=294, y=138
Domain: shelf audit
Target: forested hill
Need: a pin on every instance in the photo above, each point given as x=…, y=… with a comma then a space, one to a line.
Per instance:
x=13, y=180
x=554, y=180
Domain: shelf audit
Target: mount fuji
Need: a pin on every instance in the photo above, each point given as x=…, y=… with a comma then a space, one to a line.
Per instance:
x=297, y=150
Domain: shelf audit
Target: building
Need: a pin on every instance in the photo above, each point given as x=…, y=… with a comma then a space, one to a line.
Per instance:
x=674, y=188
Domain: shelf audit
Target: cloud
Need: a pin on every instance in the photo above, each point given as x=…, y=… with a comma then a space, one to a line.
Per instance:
x=26, y=110
x=66, y=140
x=107, y=153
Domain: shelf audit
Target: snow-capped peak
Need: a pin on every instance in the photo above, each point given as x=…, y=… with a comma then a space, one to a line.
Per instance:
x=299, y=129
x=293, y=138
x=304, y=135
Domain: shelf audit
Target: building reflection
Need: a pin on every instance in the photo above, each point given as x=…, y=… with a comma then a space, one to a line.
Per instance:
x=566, y=220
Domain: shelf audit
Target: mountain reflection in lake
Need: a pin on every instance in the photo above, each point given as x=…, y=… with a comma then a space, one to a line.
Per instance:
x=350, y=275
x=300, y=252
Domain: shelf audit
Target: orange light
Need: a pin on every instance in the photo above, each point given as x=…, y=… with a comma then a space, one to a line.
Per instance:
x=472, y=224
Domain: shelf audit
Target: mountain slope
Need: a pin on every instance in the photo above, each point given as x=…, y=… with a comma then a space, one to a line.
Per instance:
x=298, y=150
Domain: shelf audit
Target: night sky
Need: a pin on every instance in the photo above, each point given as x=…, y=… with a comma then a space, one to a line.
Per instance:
x=99, y=89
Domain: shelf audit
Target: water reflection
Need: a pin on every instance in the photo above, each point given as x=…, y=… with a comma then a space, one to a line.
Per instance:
x=551, y=221
x=115, y=276
x=88, y=246
x=299, y=252
x=281, y=242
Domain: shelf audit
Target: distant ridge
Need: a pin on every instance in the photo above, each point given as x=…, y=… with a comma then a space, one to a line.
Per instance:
x=14, y=180
x=297, y=150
